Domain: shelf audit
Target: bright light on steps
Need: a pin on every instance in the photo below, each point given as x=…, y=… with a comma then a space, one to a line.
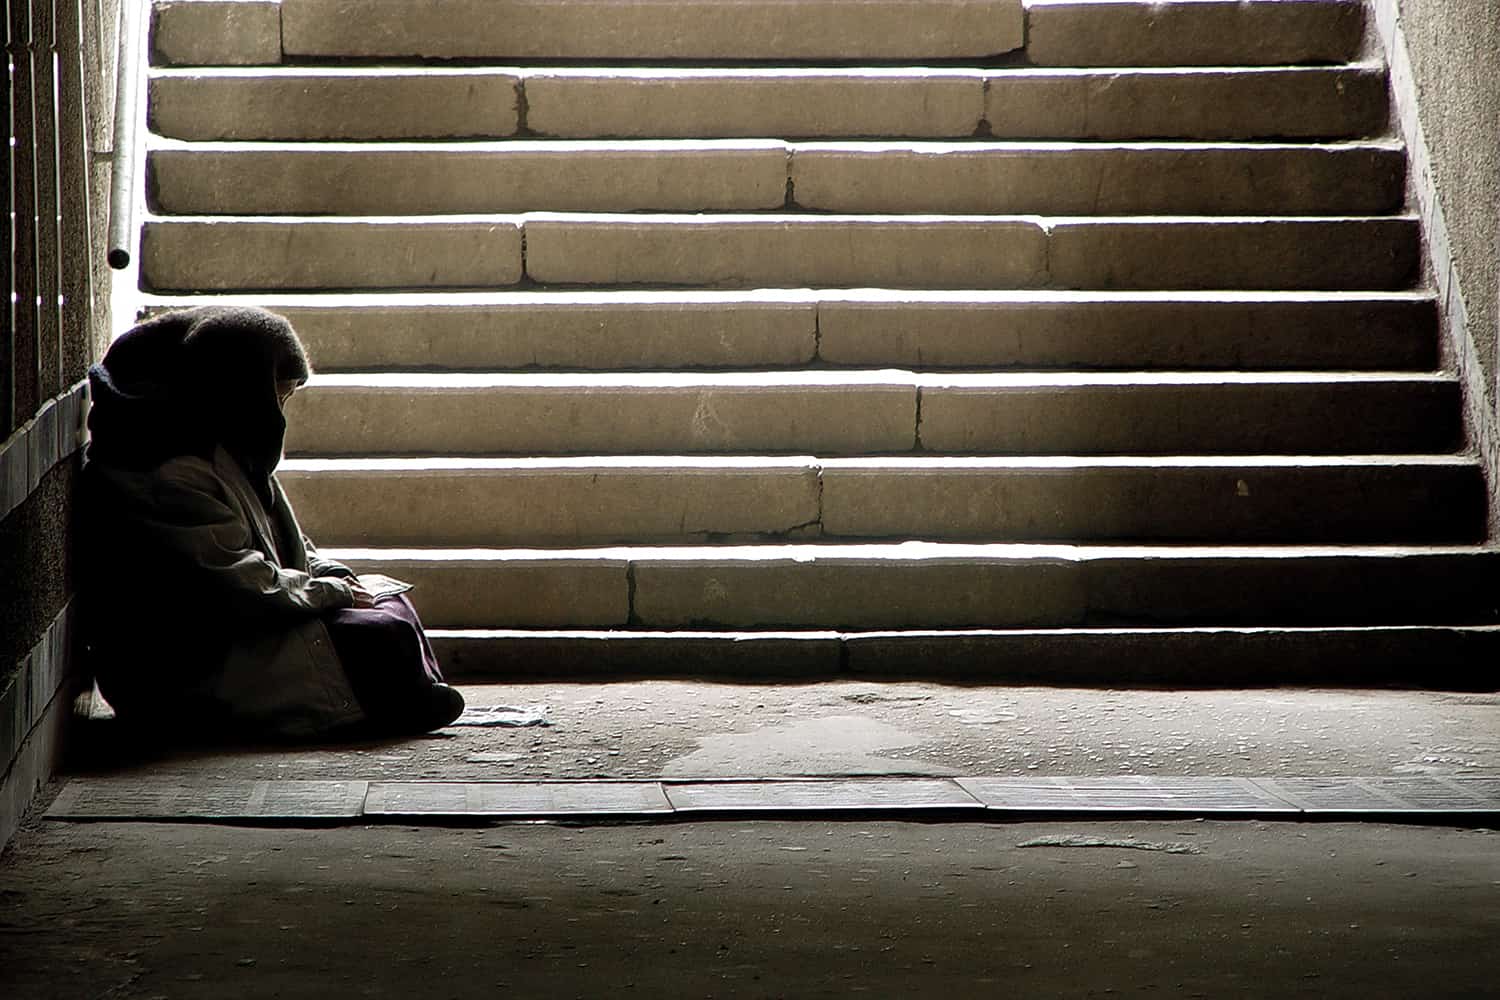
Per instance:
x=660, y=72
x=449, y=147
x=833, y=378
x=912, y=551
x=891, y=463
x=772, y=296
x=823, y=635
x=773, y=219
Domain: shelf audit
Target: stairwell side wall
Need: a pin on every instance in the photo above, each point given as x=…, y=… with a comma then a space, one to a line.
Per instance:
x=1444, y=59
x=58, y=164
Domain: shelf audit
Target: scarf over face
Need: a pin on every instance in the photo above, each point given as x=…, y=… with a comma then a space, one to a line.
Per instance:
x=185, y=382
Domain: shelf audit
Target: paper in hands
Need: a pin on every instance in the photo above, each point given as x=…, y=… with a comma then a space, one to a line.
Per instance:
x=379, y=585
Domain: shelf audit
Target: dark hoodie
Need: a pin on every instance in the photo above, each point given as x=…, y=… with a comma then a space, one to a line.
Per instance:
x=184, y=382
x=179, y=385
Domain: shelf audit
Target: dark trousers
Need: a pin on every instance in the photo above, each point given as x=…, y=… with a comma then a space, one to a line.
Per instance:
x=386, y=656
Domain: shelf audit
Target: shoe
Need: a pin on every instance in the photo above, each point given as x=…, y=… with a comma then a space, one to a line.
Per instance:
x=438, y=707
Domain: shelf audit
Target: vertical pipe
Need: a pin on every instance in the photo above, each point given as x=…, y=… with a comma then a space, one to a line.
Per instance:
x=127, y=100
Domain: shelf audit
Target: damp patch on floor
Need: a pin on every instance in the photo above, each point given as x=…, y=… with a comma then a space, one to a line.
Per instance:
x=1199, y=796
x=136, y=799
x=819, y=795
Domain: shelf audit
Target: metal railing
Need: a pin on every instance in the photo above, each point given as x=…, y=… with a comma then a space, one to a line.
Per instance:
x=127, y=112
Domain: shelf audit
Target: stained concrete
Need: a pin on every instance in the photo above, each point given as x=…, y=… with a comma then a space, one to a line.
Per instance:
x=751, y=909
x=293, y=253
x=873, y=328
x=216, y=32
x=460, y=178
x=691, y=728
x=840, y=744
x=801, y=413
x=586, y=501
x=334, y=103
x=607, y=29
x=1087, y=33
x=812, y=908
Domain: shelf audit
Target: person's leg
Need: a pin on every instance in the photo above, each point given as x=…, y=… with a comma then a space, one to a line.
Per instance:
x=398, y=606
x=391, y=668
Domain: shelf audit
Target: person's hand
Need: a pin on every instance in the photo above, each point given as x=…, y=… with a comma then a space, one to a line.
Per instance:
x=362, y=597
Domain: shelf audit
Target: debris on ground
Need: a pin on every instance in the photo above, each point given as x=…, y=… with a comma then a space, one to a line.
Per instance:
x=877, y=697
x=1130, y=843
x=503, y=715
x=507, y=759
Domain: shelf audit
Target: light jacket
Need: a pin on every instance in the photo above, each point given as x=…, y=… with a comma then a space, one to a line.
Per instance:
x=201, y=609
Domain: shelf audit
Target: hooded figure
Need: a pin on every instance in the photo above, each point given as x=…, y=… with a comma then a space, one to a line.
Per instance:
x=204, y=606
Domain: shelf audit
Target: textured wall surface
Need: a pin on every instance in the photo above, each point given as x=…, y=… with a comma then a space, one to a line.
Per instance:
x=61, y=104
x=34, y=537
x=1455, y=57
x=60, y=112
x=1444, y=57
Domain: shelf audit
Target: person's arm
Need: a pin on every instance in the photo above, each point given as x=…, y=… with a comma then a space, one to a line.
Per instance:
x=319, y=566
x=191, y=522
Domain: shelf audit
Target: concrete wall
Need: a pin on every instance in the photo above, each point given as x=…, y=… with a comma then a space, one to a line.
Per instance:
x=58, y=167
x=1445, y=75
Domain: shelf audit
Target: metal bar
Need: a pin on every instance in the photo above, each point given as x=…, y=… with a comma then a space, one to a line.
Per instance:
x=8, y=259
x=127, y=104
x=26, y=373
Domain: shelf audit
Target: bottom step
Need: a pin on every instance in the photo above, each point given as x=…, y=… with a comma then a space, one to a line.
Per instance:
x=1457, y=658
x=927, y=585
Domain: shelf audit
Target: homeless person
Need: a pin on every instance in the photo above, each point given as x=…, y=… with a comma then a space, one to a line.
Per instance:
x=204, y=606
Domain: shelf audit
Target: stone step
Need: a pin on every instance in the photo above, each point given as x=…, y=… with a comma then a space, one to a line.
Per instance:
x=646, y=500
x=684, y=330
x=395, y=103
x=1058, y=32
x=1192, y=32
x=866, y=413
x=749, y=175
x=1428, y=656
x=926, y=585
x=292, y=253
x=682, y=29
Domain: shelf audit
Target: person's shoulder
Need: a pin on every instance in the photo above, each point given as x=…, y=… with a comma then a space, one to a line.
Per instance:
x=192, y=471
x=184, y=471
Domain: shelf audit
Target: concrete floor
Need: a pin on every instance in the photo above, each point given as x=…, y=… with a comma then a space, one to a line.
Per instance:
x=767, y=909
x=706, y=729
x=788, y=909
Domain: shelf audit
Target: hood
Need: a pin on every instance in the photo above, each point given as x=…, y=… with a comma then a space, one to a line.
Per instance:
x=183, y=382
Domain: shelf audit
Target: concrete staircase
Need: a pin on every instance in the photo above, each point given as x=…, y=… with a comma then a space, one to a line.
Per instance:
x=1083, y=341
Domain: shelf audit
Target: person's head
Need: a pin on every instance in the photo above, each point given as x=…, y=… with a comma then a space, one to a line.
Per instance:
x=191, y=380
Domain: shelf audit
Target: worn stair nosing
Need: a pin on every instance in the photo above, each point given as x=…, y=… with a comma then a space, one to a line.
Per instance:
x=833, y=378
x=304, y=147
x=638, y=633
x=512, y=68
x=782, y=217
x=981, y=463
x=911, y=552
x=915, y=297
